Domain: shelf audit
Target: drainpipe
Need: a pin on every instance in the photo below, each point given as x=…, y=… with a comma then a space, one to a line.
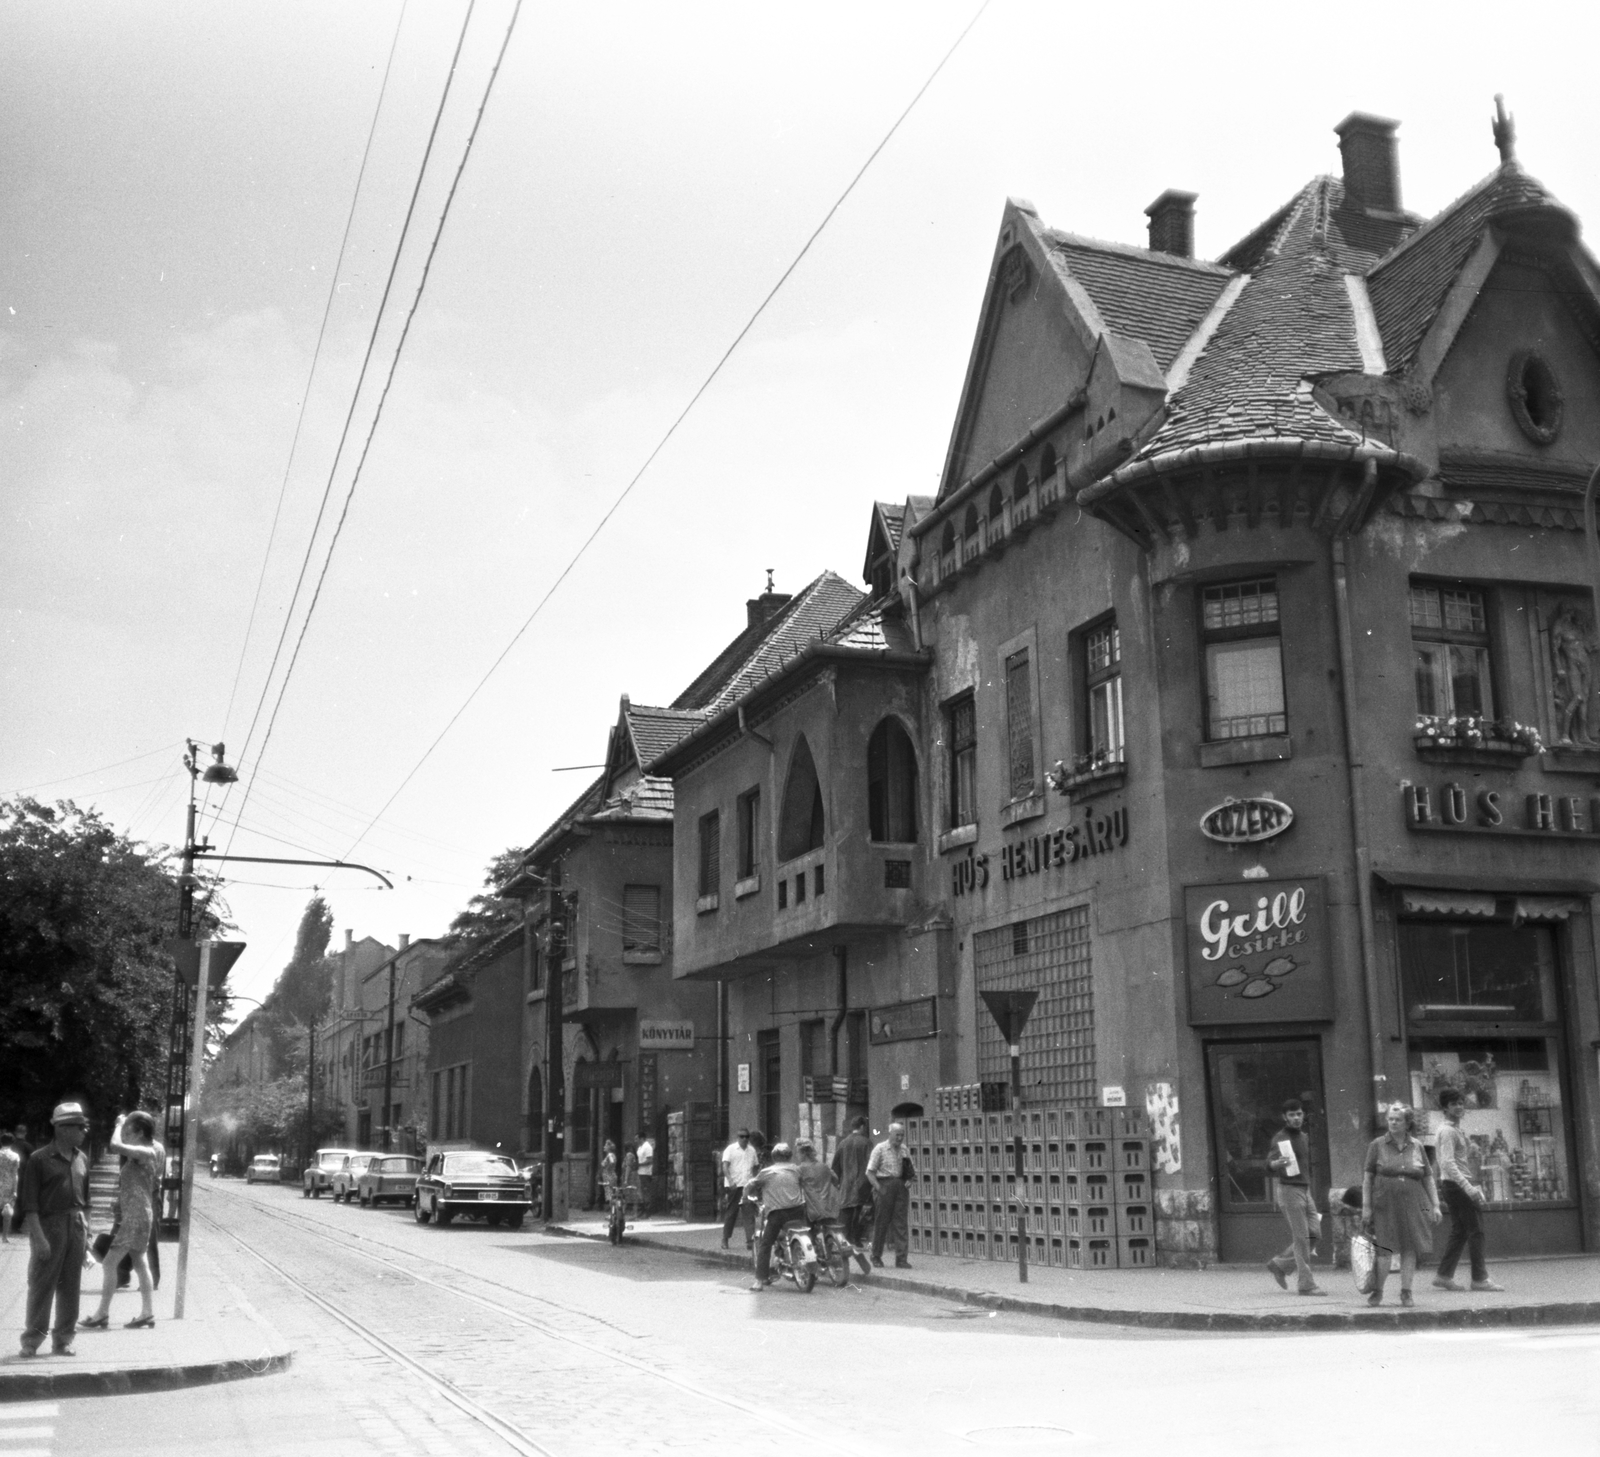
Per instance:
x=842, y=956
x=1363, y=855
x=916, y=609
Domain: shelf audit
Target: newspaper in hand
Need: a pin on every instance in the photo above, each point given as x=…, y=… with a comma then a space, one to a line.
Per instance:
x=1291, y=1165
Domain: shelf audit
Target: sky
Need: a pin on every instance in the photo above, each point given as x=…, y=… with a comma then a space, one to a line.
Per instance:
x=190, y=277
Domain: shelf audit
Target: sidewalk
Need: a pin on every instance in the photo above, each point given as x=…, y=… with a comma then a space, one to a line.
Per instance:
x=1560, y=1291
x=220, y=1338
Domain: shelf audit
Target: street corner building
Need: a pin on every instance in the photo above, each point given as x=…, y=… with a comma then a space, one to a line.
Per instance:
x=1236, y=693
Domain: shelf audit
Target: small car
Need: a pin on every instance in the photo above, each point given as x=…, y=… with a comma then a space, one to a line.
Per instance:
x=471, y=1182
x=317, y=1177
x=343, y=1183
x=265, y=1168
x=391, y=1178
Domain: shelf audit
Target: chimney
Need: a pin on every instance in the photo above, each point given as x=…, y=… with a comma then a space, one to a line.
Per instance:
x=1172, y=223
x=349, y=939
x=1371, y=162
x=760, y=609
x=405, y=939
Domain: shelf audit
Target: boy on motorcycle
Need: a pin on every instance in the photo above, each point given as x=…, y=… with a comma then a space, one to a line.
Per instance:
x=782, y=1201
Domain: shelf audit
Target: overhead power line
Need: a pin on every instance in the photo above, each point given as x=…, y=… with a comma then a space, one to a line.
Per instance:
x=672, y=429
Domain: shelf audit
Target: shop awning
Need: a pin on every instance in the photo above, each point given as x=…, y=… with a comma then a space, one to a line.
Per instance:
x=1446, y=903
x=1425, y=892
x=1546, y=908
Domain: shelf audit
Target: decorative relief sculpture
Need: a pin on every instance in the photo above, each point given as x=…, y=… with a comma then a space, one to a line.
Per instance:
x=1572, y=665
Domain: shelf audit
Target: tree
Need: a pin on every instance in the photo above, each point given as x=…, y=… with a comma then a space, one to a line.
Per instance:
x=85, y=980
x=304, y=987
x=490, y=912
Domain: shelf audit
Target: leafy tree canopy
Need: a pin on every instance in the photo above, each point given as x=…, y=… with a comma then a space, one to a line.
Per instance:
x=490, y=912
x=85, y=980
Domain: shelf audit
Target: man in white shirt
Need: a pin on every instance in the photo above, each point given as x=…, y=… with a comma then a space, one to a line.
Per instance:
x=647, y=1174
x=739, y=1164
x=889, y=1171
x=1462, y=1196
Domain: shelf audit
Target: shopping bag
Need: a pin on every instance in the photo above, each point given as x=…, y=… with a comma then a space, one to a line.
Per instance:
x=1364, y=1263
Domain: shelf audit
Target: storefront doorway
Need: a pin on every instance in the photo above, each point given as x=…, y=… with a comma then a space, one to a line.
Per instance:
x=1248, y=1083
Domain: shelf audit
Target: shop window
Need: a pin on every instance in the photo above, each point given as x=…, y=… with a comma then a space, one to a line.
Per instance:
x=1450, y=641
x=800, y=826
x=641, y=919
x=749, y=828
x=961, y=731
x=710, y=853
x=1102, y=676
x=1483, y=1017
x=1019, y=723
x=891, y=784
x=1243, y=660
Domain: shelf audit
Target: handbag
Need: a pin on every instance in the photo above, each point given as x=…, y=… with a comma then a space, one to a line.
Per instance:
x=1364, y=1263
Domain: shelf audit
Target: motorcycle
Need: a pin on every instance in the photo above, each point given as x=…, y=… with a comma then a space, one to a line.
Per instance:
x=794, y=1257
x=834, y=1252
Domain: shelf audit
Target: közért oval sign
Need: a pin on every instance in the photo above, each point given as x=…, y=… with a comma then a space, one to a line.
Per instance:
x=1244, y=821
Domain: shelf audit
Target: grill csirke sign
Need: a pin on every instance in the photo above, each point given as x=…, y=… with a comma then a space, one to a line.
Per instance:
x=1257, y=951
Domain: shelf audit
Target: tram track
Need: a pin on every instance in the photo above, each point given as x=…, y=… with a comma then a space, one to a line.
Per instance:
x=352, y=1242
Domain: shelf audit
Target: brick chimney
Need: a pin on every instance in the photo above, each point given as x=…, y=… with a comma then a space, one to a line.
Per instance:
x=761, y=609
x=1172, y=223
x=1371, y=161
x=405, y=940
x=349, y=939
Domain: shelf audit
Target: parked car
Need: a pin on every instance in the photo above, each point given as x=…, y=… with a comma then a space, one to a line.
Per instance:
x=343, y=1183
x=317, y=1177
x=265, y=1168
x=390, y=1178
x=471, y=1182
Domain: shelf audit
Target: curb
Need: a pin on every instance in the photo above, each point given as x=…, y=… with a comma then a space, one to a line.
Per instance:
x=32, y=1385
x=1577, y=1312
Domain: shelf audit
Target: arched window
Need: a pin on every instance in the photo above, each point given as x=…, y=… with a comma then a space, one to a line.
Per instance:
x=947, y=550
x=891, y=784
x=969, y=531
x=800, y=827
x=997, y=504
x=1047, y=463
x=535, y=1107
x=1020, y=484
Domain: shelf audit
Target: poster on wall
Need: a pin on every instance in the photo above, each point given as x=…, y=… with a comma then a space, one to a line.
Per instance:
x=1258, y=951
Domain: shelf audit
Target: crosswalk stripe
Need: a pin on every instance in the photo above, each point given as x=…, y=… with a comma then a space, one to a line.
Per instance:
x=16, y=1434
x=30, y=1411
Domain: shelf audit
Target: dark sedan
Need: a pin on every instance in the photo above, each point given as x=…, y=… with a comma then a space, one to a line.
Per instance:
x=482, y=1185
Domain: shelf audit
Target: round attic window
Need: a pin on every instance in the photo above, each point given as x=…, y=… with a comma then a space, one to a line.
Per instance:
x=1535, y=396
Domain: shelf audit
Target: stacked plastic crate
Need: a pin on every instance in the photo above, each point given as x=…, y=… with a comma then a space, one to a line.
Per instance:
x=1085, y=1194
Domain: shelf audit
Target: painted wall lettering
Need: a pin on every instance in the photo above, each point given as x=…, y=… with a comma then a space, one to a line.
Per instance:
x=1100, y=832
x=1258, y=951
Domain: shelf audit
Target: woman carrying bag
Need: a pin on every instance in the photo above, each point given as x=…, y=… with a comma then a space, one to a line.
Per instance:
x=142, y=1162
x=1399, y=1201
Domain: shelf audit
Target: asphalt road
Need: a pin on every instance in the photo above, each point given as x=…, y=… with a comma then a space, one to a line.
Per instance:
x=467, y=1340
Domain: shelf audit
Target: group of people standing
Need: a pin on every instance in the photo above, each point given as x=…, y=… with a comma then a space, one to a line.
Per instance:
x=1401, y=1198
x=46, y=1190
x=765, y=1190
x=637, y=1169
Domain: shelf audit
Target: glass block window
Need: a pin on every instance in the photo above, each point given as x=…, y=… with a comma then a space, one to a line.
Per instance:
x=1049, y=954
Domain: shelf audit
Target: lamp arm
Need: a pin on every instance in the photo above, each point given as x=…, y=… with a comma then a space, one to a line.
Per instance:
x=276, y=860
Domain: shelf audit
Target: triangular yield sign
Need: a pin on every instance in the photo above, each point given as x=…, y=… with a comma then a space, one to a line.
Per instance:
x=186, y=955
x=1010, y=1011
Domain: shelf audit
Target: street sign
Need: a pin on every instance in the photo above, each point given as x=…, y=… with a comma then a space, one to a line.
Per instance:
x=186, y=956
x=1010, y=1011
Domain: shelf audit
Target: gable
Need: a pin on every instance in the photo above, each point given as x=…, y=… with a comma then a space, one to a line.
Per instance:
x=1527, y=310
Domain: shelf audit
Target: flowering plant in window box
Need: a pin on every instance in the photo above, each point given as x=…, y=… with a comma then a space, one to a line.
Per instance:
x=1092, y=773
x=1497, y=740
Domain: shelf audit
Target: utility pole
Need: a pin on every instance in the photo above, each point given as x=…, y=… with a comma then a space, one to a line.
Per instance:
x=388, y=1065
x=555, y=1081
x=311, y=1087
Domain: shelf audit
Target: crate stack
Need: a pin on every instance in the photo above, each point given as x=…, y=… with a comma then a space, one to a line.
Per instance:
x=1085, y=1192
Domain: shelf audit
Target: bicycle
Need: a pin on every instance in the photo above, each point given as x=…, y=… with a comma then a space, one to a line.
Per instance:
x=623, y=1200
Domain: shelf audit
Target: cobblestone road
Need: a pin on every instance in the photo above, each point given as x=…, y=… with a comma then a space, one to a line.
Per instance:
x=569, y=1347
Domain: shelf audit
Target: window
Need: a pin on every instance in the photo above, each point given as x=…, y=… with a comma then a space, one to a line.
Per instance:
x=969, y=534
x=1019, y=723
x=1450, y=637
x=710, y=852
x=800, y=826
x=641, y=918
x=891, y=784
x=813, y=1048
x=1244, y=663
x=1102, y=662
x=448, y=1113
x=749, y=827
x=947, y=551
x=770, y=1057
x=962, y=729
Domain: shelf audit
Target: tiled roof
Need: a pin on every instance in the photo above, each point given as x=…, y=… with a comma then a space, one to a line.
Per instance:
x=874, y=628
x=586, y=803
x=894, y=519
x=760, y=651
x=1156, y=297
x=1291, y=322
x=1408, y=287
x=655, y=730
x=648, y=797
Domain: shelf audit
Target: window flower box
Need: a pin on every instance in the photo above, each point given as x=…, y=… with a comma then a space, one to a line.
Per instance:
x=1475, y=741
x=1090, y=775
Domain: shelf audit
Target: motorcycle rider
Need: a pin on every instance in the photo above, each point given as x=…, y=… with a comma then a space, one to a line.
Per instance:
x=782, y=1201
x=213, y=1166
x=820, y=1183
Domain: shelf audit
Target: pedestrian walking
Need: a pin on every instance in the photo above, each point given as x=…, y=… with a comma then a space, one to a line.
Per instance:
x=134, y=1139
x=1399, y=1200
x=24, y=1150
x=647, y=1174
x=609, y=1173
x=53, y=1199
x=782, y=1200
x=890, y=1171
x=850, y=1164
x=10, y=1173
x=1463, y=1196
x=1290, y=1162
x=740, y=1162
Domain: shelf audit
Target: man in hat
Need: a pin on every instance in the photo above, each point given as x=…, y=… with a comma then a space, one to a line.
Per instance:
x=53, y=1200
x=740, y=1163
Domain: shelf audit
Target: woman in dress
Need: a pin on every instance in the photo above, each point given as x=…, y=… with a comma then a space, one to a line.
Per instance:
x=1399, y=1200
x=143, y=1158
x=608, y=1173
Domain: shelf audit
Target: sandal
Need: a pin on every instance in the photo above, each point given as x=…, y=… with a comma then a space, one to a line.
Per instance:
x=140, y=1323
x=95, y=1323
x=1376, y=1298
